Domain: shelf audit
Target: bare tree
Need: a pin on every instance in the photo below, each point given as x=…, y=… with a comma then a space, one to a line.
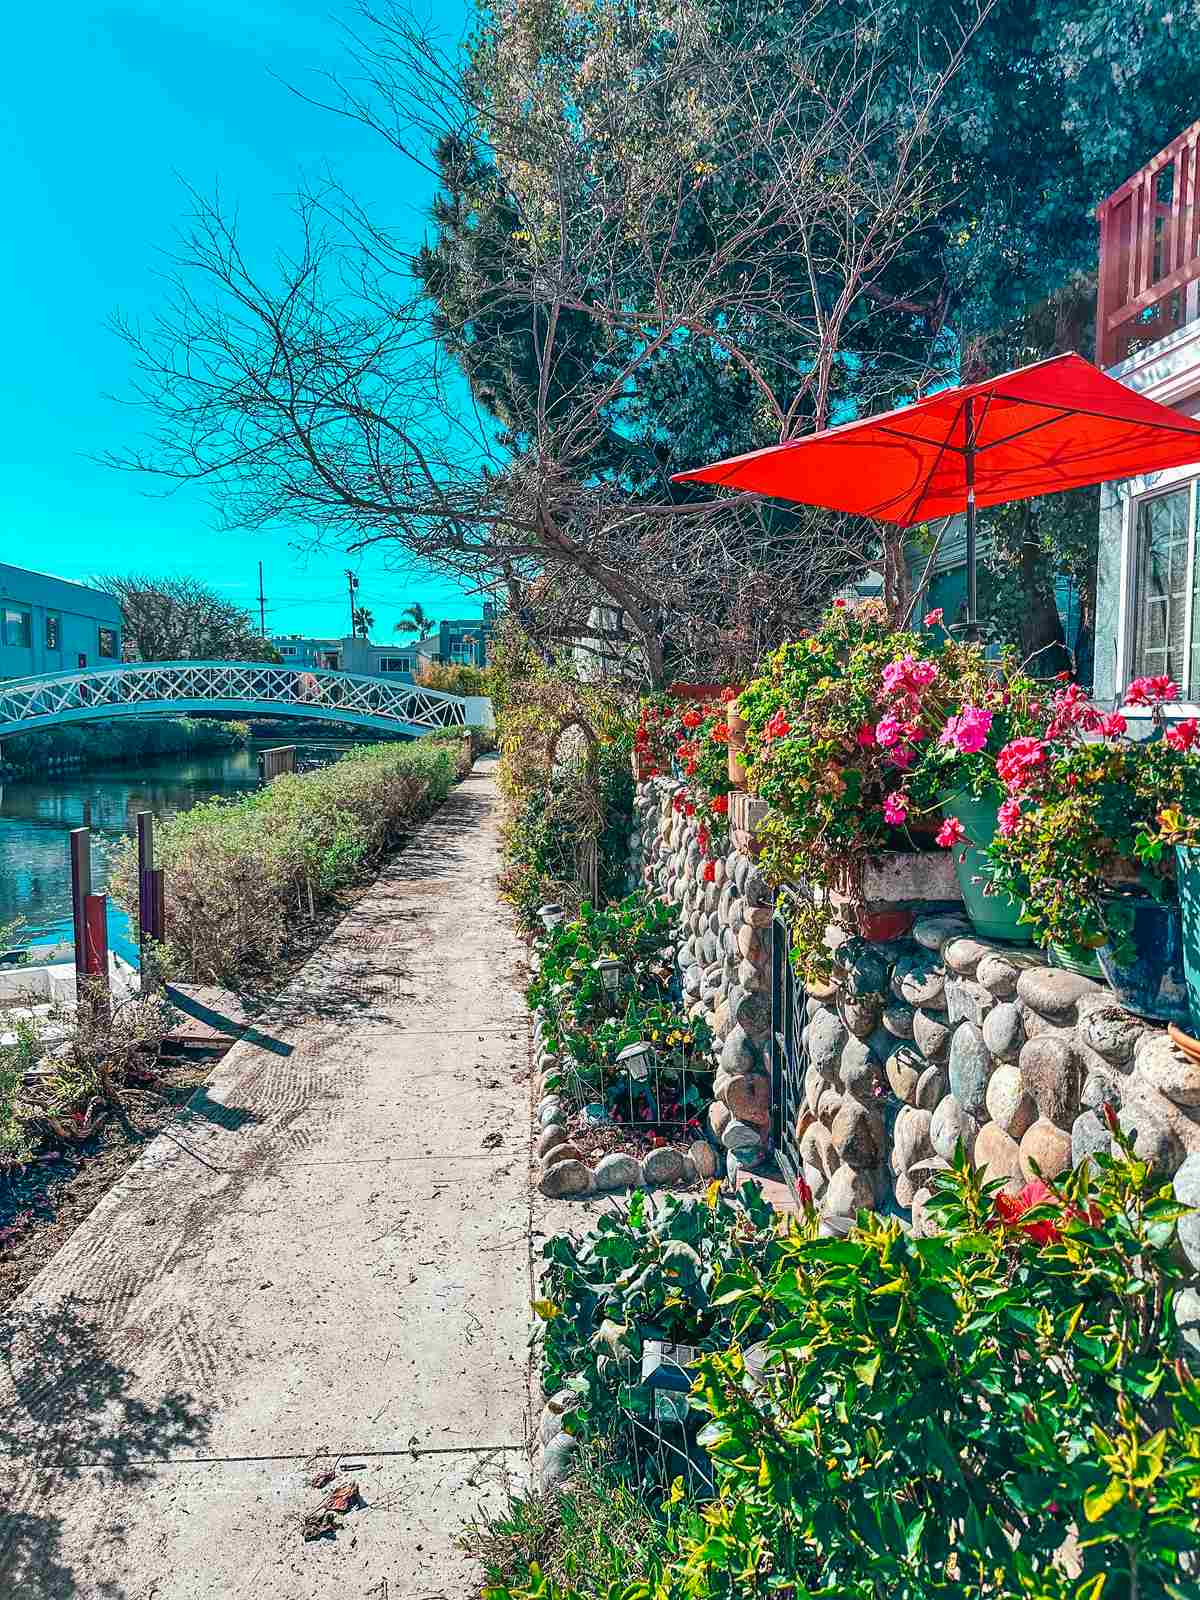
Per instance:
x=182, y=619
x=695, y=201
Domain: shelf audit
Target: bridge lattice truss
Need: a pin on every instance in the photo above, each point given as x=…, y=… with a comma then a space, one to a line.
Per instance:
x=337, y=696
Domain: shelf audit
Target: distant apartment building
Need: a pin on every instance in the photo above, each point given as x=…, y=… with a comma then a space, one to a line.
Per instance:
x=51, y=625
x=458, y=641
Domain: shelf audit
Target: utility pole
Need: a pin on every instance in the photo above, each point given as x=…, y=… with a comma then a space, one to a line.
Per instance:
x=353, y=582
x=262, y=604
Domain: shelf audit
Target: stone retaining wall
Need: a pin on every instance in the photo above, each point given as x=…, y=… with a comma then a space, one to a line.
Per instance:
x=916, y=1043
x=724, y=959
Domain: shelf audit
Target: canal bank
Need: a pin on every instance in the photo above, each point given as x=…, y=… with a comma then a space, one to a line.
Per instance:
x=38, y=813
x=325, y=1271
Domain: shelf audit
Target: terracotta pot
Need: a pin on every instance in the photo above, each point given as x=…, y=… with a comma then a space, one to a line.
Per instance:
x=643, y=767
x=1185, y=1042
x=737, y=744
x=696, y=691
x=878, y=927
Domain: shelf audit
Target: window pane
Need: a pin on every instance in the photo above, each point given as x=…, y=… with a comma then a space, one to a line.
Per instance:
x=17, y=629
x=107, y=642
x=1162, y=559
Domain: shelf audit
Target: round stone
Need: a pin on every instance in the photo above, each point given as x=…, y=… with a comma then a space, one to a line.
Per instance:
x=857, y=1135
x=719, y=1118
x=816, y=1150
x=919, y=979
x=1150, y=1126
x=898, y=1019
x=558, y=1461
x=964, y=955
x=1187, y=1192
x=618, y=1171
x=564, y=1150
x=970, y=1069
x=936, y=931
x=1051, y=1075
x=550, y=1110
x=863, y=970
x=1007, y=1102
x=950, y=1123
x=738, y=1136
x=850, y=1191
x=931, y=1086
x=1111, y=1032
x=565, y=1179
x=665, y=1165
x=1004, y=1031
x=1047, y=1145
x=910, y=1137
x=737, y=1053
x=554, y=1134
x=858, y=1068
x=814, y=1087
x=1161, y=1065
x=748, y=1096
x=923, y=1223
x=998, y=975
x=860, y=1016
x=903, y=1189
x=1101, y=1088
x=1089, y=1137
x=1054, y=993
x=904, y=1068
x=756, y=888
x=1187, y=1320
x=998, y=1156
x=703, y=1157
x=829, y=1105
x=932, y=1034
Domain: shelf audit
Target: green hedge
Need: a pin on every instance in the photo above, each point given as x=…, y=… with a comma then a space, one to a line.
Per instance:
x=244, y=877
x=98, y=744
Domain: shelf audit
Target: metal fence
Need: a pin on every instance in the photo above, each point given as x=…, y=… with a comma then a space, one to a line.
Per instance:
x=789, y=1057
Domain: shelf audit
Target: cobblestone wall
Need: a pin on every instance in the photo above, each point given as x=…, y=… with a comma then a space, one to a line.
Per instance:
x=915, y=1043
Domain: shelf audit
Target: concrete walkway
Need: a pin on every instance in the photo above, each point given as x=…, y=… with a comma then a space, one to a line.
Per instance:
x=327, y=1264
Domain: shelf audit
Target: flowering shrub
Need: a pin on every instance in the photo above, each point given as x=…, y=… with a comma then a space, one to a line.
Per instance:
x=1083, y=807
x=692, y=740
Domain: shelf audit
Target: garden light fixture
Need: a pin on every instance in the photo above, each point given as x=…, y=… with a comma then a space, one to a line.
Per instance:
x=552, y=915
x=637, y=1059
x=609, y=968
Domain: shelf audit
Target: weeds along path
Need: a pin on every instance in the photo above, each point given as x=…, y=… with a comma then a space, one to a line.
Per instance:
x=324, y=1268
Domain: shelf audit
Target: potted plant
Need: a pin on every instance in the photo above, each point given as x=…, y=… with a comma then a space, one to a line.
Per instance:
x=981, y=706
x=1076, y=842
x=834, y=726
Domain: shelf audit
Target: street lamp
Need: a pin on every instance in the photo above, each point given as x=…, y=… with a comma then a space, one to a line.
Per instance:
x=637, y=1059
x=552, y=915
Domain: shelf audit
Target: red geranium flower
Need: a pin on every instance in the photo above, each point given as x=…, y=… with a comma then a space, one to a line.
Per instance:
x=778, y=727
x=721, y=804
x=691, y=719
x=709, y=872
x=1012, y=1208
x=1184, y=734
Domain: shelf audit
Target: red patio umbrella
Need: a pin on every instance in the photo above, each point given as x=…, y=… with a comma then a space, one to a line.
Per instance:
x=1058, y=424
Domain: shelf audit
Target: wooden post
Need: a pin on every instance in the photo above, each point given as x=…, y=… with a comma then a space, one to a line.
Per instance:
x=150, y=902
x=96, y=992
x=81, y=887
x=280, y=759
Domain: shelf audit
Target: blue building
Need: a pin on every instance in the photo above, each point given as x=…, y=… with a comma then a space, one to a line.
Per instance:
x=50, y=625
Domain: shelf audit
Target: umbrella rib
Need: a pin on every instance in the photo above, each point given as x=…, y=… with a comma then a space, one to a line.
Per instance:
x=1102, y=416
x=941, y=451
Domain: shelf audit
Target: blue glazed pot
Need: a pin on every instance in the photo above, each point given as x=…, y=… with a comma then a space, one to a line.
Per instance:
x=1187, y=864
x=1149, y=978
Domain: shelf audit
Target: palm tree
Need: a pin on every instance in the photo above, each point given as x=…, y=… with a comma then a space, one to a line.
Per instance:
x=415, y=620
x=364, y=621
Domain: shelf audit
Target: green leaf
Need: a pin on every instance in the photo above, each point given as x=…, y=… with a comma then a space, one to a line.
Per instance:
x=1099, y=1500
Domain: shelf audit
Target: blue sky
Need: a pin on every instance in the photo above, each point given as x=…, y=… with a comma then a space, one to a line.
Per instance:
x=104, y=108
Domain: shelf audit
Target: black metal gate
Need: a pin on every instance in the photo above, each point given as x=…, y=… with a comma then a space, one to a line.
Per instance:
x=789, y=1058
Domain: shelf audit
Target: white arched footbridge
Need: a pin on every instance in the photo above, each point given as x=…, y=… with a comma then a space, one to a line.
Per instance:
x=238, y=688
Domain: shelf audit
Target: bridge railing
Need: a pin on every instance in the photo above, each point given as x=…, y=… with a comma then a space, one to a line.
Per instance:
x=125, y=687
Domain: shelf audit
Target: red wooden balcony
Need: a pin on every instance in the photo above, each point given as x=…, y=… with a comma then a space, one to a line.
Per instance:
x=1149, y=252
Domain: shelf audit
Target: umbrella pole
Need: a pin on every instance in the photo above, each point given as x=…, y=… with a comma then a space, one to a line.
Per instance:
x=972, y=628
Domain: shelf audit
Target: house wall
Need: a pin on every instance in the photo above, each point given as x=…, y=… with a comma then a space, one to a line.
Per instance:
x=1167, y=371
x=79, y=612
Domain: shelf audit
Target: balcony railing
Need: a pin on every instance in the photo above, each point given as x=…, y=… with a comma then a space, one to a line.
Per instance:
x=1149, y=252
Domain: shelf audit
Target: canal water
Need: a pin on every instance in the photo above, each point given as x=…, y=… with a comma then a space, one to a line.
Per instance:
x=37, y=815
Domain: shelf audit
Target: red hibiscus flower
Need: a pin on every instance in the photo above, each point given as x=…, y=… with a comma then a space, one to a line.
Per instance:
x=1011, y=1209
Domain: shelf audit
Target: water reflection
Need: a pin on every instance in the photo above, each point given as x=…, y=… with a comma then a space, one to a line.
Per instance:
x=36, y=816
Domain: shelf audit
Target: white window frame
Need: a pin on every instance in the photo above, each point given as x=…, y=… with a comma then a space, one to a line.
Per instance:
x=1138, y=491
x=395, y=663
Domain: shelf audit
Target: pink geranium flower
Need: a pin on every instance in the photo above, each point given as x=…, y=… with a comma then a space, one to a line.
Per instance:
x=894, y=809
x=951, y=833
x=900, y=756
x=887, y=731
x=1113, y=726
x=1018, y=761
x=1009, y=816
x=1184, y=734
x=866, y=736
x=933, y=618
x=967, y=731
x=1151, y=691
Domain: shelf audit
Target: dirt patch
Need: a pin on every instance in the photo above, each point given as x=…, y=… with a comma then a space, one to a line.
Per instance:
x=603, y=1139
x=41, y=1206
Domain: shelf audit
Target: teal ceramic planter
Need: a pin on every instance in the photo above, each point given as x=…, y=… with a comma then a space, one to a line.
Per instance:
x=1146, y=969
x=1073, y=958
x=1187, y=867
x=994, y=915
